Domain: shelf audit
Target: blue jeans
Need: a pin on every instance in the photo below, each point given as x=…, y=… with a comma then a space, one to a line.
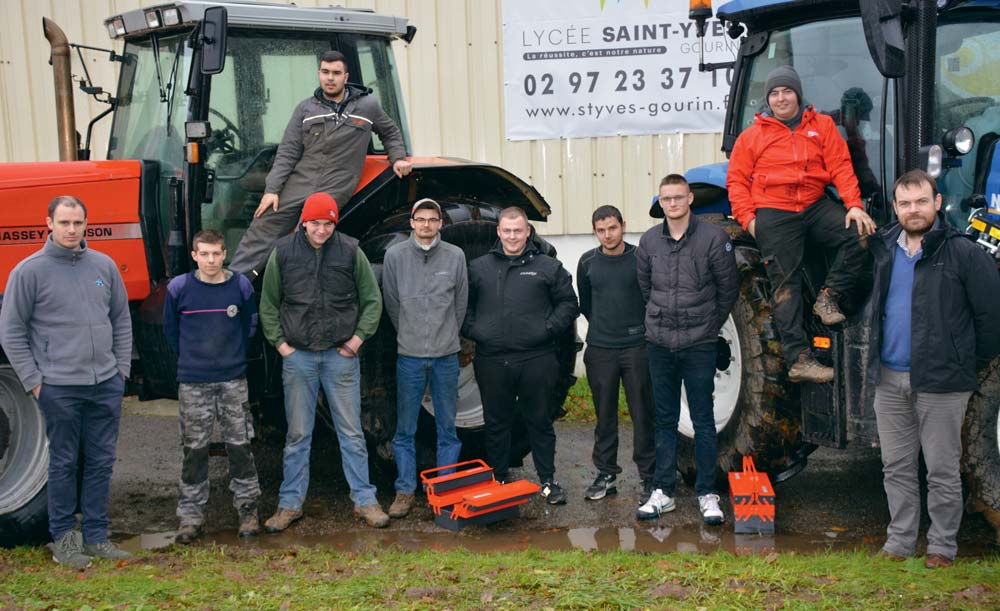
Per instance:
x=413, y=374
x=302, y=373
x=695, y=367
x=81, y=417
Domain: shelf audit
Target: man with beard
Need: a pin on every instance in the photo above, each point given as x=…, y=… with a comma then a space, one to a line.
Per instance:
x=323, y=150
x=934, y=311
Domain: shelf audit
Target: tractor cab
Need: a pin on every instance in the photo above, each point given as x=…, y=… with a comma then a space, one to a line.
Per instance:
x=215, y=135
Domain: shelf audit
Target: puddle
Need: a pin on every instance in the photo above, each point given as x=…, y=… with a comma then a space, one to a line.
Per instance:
x=654, y=539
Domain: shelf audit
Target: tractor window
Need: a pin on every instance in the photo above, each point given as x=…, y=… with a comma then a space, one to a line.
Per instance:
x=967, y=92
x=838, y=79
x=379, y=74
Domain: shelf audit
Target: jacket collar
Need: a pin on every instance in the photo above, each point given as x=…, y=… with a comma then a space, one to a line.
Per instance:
x=932, y=241
x=692, y=224
x=531, y=250
x=417, y=247
x=52, y=249
x=765, y=117
x=350, y=93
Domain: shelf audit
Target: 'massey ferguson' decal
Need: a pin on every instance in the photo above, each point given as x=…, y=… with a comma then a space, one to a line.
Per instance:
x=97, y=233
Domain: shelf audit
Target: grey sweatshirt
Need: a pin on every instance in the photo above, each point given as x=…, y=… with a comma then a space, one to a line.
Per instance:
x=426, y=293
x=65, y=318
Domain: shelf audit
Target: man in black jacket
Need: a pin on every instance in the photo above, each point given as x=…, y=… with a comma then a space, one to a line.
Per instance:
x=520, y=301
x=688, y=278
x=934, y=313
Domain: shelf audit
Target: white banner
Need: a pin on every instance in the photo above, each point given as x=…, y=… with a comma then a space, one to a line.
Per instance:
x=582, y=68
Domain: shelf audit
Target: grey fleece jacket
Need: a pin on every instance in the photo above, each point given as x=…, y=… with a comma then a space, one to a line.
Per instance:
x=426, y=293
x=324, y=149
x=65, y=318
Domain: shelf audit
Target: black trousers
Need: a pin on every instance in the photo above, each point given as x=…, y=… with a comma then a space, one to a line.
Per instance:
x=606, y=369
x=511, y=387
x=783, y=237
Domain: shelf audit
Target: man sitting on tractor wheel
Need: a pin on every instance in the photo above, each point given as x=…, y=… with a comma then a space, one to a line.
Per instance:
x=778, y=171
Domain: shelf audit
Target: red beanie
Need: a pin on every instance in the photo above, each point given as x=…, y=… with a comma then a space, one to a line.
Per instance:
x=320, y=207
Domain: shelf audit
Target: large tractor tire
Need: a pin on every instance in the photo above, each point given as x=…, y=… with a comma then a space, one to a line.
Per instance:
x=472, y=227
x=981, y=447
x=755, y=406
x=24, y=464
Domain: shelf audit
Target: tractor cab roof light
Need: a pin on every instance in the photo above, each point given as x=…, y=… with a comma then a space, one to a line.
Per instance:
x=116, y=27
x=933, y=159
x=152, y=19
x=171, y=16
x=958, y=141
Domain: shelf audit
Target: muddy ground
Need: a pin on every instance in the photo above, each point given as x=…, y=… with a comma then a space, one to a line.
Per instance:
x=836, y=502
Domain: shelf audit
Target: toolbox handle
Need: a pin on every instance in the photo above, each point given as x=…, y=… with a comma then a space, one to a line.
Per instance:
x=426, y=474
x=748, y=466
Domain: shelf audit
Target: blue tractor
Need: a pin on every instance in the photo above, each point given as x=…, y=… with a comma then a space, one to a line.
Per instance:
x=910, y=84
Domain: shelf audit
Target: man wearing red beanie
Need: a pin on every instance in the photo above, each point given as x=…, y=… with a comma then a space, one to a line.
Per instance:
x=319, y=302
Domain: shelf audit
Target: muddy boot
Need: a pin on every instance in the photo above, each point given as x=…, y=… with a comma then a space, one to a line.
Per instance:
x=808, y=369
x=372, y=515
x=249, y=522
x=188, y=534
x=827, y=309
x=282, y=519
x=402, y=505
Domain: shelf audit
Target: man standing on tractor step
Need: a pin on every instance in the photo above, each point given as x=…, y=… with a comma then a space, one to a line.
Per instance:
x=688, y=277
x=320, y=301
x=520, y=302
x=778, y=171
x=616, y=351
x=323, y=150
x=209, y=316
x=425, y=287
x=934, y=314
x=66, y=328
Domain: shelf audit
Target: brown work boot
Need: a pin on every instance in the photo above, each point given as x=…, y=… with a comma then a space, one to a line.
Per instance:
x=282, y=519
x=827, y=309
x=249, y=522
x=887, y=555
x=402, y=505
x=372, y=515
x=808, y=369
x=188, y=534
x=938, y=561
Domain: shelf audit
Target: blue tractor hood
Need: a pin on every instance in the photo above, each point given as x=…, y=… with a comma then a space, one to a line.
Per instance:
x=708, y=184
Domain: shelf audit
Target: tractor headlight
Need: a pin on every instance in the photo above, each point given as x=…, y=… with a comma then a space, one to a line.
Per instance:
x=958, y=141
x=931, y=158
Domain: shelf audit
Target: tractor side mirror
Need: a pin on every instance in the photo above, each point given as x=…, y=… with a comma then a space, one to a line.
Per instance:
x=884, y=34
x=213, y=40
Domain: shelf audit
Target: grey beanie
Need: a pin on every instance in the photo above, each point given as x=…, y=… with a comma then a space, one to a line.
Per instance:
x=784, y=76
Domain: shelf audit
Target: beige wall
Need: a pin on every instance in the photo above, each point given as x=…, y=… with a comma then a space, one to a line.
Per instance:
x=452, y=77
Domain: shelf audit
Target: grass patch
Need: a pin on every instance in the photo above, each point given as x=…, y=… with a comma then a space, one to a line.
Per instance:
x=579, y=404
x=234, y=578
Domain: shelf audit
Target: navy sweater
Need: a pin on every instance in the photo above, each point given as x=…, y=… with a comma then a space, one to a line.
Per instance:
x=610, y=299
x=208, y=326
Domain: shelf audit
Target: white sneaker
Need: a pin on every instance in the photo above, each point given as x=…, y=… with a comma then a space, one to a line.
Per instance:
x=710, y=510
x=658, y=503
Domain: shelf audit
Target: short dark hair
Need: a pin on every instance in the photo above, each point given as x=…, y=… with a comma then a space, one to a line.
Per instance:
x=333, y=56
x=66, y=200
x=604, y=212
x=208, y=236
x=915, y=178
x=513, y=212
x=674, y=179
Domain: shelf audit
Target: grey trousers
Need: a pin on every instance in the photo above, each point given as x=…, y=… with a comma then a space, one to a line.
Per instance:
x=909, y=422
x=263, y=232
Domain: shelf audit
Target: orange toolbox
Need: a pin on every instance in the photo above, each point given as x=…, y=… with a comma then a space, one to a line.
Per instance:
x=471, y=495
x=753, y=499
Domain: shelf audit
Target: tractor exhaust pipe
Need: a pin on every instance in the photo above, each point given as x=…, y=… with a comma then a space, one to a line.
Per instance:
x=65, y=114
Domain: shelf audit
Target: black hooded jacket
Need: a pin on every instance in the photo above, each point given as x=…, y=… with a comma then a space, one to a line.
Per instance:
x=956, y=306
x=518, y=307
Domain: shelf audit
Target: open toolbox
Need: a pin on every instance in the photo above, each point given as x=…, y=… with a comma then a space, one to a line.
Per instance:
x=467, y=493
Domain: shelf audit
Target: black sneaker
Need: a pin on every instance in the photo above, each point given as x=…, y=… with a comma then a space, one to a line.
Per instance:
x=604, y=484
x=553, y=493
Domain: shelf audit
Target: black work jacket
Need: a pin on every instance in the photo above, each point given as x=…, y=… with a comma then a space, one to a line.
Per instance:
x=518, y=307
x=319, y=303
x=689, y=285
x=956, y=306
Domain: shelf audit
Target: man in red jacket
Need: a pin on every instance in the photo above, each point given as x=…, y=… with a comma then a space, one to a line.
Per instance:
x=778, y=171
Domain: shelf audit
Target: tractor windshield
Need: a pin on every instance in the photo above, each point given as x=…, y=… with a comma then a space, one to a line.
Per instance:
x=838, y=78
x=967, y=92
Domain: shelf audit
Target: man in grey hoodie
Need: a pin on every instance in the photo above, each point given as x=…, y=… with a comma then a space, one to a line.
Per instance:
x=65, y=328
x=323, y=150
x=425, y=288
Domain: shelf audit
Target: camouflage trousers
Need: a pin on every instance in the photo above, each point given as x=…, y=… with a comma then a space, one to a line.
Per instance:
x=200, y=405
